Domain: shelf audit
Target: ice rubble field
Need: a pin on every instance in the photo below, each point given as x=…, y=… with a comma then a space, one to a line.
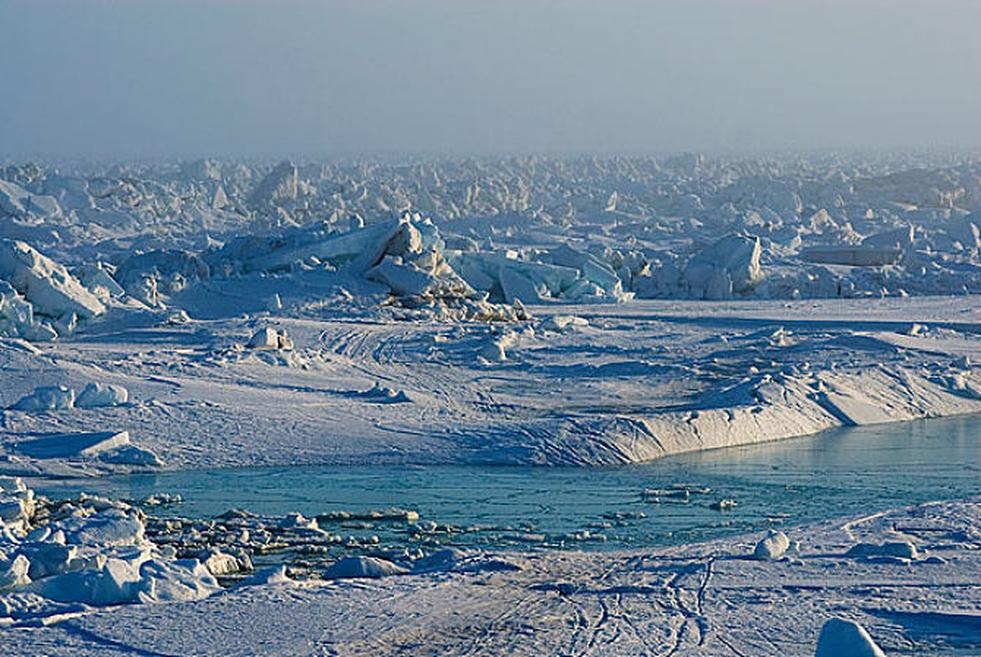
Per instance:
x=526, y=310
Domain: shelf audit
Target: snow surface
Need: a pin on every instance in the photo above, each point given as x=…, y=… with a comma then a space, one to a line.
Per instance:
x=622, y=383
x=586, y=311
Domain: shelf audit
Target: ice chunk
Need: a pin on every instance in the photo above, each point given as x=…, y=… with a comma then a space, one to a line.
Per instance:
x=280, y=184
x=131, y=455
x=49, y=558
x=730, y=265
x=891, y=549
x=772, y=546
x=220, y=563
x=267, y=576
x=270, y=338
x=845, y=638
x=46, y=398
x=73, y=445
x=45, y=283
x=354, y=567
x=106, y=528
x=14, y=573
x=98, y=394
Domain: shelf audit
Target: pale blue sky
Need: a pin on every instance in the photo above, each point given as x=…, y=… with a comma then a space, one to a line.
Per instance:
x=183, y=77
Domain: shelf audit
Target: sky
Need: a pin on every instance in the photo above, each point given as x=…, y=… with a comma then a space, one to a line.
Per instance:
x=161, y=78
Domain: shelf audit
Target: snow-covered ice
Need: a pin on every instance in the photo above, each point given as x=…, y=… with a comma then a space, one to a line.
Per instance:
x=530, y=310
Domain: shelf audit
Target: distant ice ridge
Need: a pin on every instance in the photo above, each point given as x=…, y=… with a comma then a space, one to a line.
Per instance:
x=810, y=226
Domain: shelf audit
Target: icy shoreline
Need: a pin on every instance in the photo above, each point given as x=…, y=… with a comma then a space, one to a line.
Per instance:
x=910, y=576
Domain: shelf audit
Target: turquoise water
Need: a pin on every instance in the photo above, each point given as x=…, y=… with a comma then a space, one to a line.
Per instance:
x=836, y=473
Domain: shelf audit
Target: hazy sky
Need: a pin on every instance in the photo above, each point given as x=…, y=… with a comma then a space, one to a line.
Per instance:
x=281, y=77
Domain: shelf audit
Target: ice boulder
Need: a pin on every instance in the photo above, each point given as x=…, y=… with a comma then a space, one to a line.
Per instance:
x=95, y=395
x=887, y=550
x=46, y=398
x=45, y=283
x=220, y=563
x=14, y=573
x=355, y=567
x=772, y=547
x=729, y=266
x=845, y=638
x=270, y=338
